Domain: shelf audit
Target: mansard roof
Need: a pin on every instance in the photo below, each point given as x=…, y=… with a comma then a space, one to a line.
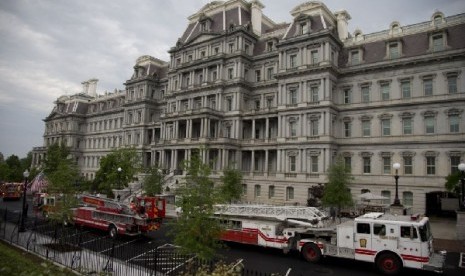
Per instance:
x=414, y=43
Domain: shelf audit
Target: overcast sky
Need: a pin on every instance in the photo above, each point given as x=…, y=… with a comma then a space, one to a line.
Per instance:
x=48, y=47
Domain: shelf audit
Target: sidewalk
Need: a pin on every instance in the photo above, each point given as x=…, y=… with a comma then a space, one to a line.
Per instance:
x=80, y=261
x=444, y=233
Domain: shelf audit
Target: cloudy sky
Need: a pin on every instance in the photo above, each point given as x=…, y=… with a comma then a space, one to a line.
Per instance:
x=48, y=47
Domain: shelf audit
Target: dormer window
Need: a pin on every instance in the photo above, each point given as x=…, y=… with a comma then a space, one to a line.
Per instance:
x=355, y=56
x=205, y=23
x=358, y=35
x=437, y=18
x=395, y=29
x=269, y=46
x=303, y=25
x=303, y=28
x=203, y=26
x=438, y=41
x=394, y=49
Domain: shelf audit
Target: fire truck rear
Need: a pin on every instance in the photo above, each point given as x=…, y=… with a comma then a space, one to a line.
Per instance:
x=142, y=215
x=390, y=242
x=11, y=191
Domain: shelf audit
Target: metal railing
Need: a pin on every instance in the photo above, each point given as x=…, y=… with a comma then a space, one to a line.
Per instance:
x=91, y=252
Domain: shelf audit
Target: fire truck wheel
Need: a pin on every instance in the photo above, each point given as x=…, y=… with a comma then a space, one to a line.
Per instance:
x=113, y=231
x=311, y=252
x=388, y=263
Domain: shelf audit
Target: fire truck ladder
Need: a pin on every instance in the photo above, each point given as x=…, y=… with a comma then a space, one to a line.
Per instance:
x=108, y=203
x=299, y=215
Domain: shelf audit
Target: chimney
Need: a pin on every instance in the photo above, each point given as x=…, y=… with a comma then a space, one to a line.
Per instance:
x=257, y=7
x=342, y=24
x=92, y=87
x=85, y=87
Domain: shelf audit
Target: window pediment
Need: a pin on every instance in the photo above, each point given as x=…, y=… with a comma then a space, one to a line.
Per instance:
x=385, y=116
x=292, y=153
x=407, y=154
x=406, y=115
x=366, y=154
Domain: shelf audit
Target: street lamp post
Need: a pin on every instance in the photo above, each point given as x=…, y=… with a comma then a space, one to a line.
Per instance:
x=396, y=166
x=22, y=228
x=119, y=177
x=462, y=179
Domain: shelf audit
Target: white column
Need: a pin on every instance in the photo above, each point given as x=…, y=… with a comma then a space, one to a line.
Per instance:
x=266, y=161
x=253, y=129
x=267, y=129
x=252, y=162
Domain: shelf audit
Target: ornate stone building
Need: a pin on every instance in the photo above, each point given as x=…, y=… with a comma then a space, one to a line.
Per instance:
x=281, y=101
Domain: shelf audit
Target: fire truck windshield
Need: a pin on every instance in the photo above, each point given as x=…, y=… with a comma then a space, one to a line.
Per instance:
x=425, y=232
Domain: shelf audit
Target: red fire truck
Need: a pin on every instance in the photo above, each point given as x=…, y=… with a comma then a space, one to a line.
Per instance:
x=11, y=191
x=141, y=215
x=390, y=242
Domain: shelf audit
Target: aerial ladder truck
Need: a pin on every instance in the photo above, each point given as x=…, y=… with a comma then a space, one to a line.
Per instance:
x=391, y=242
x=143, y=214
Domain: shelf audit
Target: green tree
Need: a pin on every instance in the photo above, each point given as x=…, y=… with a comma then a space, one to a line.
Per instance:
x=62, y=175
x=317, y=192
x=108, y=176
x=15, y=171
x=336, y=191
x=195, y=231
x=231, y=189
x=4, y=172
x=453, y=182
x=56, y=153
x=153, y=183
x=11, y=169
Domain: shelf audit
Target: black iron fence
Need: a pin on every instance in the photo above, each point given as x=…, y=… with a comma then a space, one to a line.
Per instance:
x=90, y=252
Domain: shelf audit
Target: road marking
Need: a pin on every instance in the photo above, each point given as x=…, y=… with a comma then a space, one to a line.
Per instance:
x=96, y=239
x=159, y=247
x=462, y=259
x=119, y=245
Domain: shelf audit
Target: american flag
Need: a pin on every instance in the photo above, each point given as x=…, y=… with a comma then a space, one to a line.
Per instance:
x=39, y=183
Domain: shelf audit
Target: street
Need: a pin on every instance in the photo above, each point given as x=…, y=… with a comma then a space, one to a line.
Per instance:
x=139, y=250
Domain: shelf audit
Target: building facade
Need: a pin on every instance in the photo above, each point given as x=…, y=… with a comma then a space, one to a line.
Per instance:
x=280, y=101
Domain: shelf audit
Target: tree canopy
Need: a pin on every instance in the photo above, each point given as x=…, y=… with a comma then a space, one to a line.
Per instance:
x=63, y=176
x=453, y=182
x=12, y=168
x=109, y=176
x=336, y=191
x=195, y=231
x=231, y=189
x=153, y=182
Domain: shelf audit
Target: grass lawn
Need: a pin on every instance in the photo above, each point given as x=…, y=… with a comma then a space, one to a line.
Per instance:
x=14, y=261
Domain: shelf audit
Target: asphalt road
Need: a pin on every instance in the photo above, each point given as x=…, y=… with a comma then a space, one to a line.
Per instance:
x=139, y=250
